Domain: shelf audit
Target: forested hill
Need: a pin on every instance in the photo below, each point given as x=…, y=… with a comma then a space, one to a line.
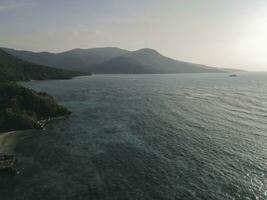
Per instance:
x=22, y=108
x=14, y=69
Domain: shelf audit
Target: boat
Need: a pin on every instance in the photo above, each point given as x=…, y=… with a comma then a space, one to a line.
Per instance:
x=233, y=75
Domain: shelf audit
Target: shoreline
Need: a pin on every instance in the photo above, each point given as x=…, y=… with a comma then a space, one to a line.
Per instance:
x=8, y=138
x=8, y=158
x=7, y=142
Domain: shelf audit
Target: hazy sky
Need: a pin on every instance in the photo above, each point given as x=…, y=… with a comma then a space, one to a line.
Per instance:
x=222, y=33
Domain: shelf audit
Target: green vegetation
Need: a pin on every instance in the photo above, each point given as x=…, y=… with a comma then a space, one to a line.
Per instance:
x=22, y=108
x=14, y=69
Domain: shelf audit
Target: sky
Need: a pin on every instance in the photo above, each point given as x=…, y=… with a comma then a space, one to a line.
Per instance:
x=220, y=33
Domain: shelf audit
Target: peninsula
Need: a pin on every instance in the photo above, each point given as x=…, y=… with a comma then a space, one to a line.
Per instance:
x=22, y=108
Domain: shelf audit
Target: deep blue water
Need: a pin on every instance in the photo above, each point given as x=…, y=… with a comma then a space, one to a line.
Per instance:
x=167, y=137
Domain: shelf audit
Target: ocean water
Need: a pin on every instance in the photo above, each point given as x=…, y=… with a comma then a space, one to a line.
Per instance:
x=165, y=137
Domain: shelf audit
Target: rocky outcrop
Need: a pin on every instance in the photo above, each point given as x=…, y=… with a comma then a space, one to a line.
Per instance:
x=8, y=164
x=22, y=108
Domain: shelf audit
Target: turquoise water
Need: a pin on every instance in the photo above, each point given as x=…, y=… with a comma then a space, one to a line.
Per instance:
x=190, y=136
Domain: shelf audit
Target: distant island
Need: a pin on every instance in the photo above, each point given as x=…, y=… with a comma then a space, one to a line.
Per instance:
x=111, y=60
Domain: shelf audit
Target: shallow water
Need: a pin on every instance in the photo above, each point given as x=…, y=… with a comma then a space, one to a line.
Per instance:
x=185, y=136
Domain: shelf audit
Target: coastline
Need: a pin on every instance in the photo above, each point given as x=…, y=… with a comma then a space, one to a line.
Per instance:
x=7, y=139
x=7, y=142
x=8, y=159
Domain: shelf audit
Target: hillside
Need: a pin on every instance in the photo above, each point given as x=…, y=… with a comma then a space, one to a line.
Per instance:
x=114, y=60
x=74, y=59
x=14, y=69
x=163, y=64
x=22, y=108
x=120, y=65
x=148, y=61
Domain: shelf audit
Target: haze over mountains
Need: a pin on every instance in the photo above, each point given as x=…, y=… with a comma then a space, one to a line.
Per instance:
x=15, y=69
x=73, y=59
x=22, y=108
x=113, y=60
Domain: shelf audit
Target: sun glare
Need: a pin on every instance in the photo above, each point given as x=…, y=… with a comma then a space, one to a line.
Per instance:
x=254, y=41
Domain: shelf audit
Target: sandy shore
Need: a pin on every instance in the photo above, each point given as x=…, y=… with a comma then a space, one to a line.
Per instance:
x=7, y=142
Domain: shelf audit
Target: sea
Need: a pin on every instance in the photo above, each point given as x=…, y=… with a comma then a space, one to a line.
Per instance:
x=146, y=137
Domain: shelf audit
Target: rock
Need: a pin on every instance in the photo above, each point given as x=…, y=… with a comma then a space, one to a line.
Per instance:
x=8, y=164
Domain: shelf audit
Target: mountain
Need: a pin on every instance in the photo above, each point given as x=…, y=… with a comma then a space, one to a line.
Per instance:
x=114, y=60
x=22, y=108
x=74, y=59
x=14, y=69
x=120, y=65
x=148, y=61
x=162, y=64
